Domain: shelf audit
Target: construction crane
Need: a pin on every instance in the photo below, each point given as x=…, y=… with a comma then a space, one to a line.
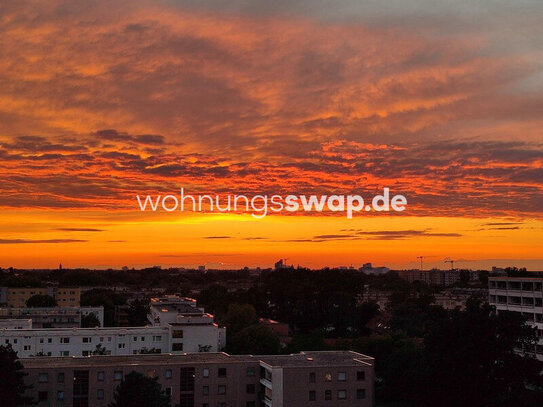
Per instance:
x=421, y=257
x=450, y=261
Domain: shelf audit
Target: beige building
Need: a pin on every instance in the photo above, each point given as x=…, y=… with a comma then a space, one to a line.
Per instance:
x=17, y=297
x=336, y=378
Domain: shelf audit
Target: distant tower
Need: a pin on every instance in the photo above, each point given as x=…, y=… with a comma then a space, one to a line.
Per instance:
x=60, y=266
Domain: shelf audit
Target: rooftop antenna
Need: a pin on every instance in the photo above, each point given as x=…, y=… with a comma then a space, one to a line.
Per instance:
x=421, y=257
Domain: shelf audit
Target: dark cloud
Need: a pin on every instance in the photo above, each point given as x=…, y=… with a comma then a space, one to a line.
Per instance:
x=80, y=230
x=25, y=241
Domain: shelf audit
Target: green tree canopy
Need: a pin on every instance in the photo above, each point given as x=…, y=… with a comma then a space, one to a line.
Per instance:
x=256, y=340
x=137, y=390
x=12, y=386
x=90, y=321
x=470, y=357
x=41, y=300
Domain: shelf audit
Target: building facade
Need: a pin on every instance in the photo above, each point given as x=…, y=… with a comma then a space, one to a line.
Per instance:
x=337, y=378
x=54, y=317
x=523, y=296
x=178, y=326
x=17, y=297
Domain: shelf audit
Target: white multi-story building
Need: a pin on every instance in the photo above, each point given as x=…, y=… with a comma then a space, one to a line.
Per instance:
x=522, y=295
x=192, y=332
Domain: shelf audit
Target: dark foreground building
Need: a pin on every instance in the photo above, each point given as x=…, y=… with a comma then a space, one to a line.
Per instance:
x=335, y=378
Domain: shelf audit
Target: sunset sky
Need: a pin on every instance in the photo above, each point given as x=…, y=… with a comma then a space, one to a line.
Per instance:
x=440, y=101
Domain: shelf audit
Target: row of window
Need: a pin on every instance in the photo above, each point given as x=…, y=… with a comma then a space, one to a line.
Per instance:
x=100, y=394
x=341, y=376
x=341, y=394
x=85, y=339
x=118, y=375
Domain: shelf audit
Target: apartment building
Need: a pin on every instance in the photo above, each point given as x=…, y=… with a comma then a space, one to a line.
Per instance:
x=175, y=329
x=17, y=297
x=54, y=317
x=15, y=324
x=522, y=295
x=431, y=277
x=337, y=378
x=84, y=341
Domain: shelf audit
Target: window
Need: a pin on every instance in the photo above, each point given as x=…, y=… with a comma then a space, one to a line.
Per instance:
x=328, y=394
x=250, y=404
x=251, y=389
x=118, y=375
x=177, y=347
x=42, y=396
x=64, y=353
x=168, y=374
x=64, y=340
x=41, y=340
x=157, y=338
x=151, y=373
x=205, y=390
x=312, y=377
x=328, y=377
x=86, y=353
x=49, y=340
x=43, y=378
x=360, y=394
x=87, y=340
x=222, y=389
x=135, y=338
x=186, y=379
x=100, y=394
x=100, y=376
x=341, y=376
x=122, y=346
x=26, y=347
x=312, y=395
x=177, y=333
x=360, y=375
x=250, y=371
x=60, y=395
x=60, y=378
x=205, y=372
x=222, y=372
x=341, y=394
x=168, y=391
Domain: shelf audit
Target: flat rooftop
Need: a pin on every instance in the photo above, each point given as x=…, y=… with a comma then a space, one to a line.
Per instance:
x=317, y=359
x=130, y=360
x=303, y=359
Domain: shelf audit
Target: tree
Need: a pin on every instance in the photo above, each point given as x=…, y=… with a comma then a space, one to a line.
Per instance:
x=256, y=340
x=239, y=316
x=137, y=313
x=90, y=321
x=12, y=386
x=137, y=390
x=470, y=357
x=99, y=350
x=40, y=300
x=105, y=298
